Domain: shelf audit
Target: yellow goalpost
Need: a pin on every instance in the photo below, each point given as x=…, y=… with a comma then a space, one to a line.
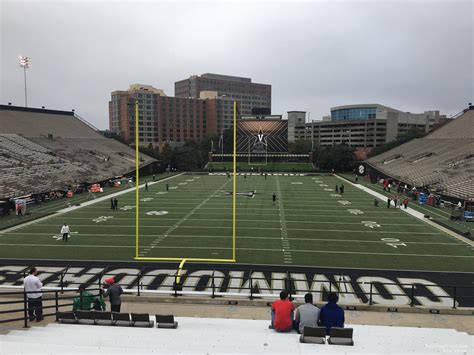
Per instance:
x=137, y=203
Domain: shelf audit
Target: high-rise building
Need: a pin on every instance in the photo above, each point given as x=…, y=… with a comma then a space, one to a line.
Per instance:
x=163, y=119
x=249, y=95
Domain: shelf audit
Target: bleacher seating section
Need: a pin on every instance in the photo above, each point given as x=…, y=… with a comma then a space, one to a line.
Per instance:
x=443, y=160
x=44, y=151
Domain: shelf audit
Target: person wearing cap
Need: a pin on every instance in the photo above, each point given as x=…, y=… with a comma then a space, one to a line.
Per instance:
x=114, y=291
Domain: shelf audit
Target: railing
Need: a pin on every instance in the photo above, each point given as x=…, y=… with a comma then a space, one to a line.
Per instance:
x=214, y=287
x=23, y=300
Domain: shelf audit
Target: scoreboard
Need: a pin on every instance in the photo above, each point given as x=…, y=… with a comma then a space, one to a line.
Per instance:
x=262, y=135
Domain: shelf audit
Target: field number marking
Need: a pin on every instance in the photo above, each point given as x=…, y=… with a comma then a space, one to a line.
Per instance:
x=102, y=219
x=146, y=199
x=335, y=195
x=371, y=224
x=394, y=242
x=343, y=202
x=355, y=211
x=60, y=237
x=157, y=213
x=126, y=208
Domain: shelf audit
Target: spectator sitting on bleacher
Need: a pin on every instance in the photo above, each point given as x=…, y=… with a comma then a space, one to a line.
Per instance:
x=331, y=314
x=307, y=315
x=282, y=313
x=87, y=301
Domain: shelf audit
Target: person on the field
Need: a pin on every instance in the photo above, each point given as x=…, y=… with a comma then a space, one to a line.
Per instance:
x=19, y=210
x=331, y=314
x=167, y=187
x=376, y=202
x=341, y=189
x=115, y=204
x=282, y=313
x=337, y=189
x=274, y=197
x=388, y=202
x=153, y=177
x=405, y=203
x=112, y=204
x=265, y=176
x=65, y=232
x=307, y=315
x=146, y=186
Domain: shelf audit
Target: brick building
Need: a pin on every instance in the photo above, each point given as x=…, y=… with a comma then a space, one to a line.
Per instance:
x=249, y=95
x=163, y=119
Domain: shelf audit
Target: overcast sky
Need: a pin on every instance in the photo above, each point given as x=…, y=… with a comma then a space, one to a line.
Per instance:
x=410, y=55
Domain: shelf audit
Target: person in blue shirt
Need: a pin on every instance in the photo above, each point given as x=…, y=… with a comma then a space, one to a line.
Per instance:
x=331, y=314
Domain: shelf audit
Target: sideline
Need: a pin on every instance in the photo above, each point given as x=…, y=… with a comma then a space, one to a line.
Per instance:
x=409, y=210
x=84, y=204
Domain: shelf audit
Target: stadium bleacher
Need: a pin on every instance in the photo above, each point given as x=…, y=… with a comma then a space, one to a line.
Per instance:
x=443, y=160
x=44, y=150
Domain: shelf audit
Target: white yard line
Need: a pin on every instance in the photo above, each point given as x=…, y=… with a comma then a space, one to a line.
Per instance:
x=108, y=226
x=243, y=237
x=285, y=242
x=411, y=212
x=247, y=249
x=82, y=205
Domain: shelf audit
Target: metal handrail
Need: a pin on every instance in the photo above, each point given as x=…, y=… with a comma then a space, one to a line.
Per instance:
x=24, y=302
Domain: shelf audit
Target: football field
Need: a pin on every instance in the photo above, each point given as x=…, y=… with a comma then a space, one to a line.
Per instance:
x=309, y=224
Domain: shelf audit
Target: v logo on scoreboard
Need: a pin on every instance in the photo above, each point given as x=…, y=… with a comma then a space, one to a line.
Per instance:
x=260, y=135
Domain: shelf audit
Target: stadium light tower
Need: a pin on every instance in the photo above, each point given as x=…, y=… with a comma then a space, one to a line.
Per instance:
x=25, y=64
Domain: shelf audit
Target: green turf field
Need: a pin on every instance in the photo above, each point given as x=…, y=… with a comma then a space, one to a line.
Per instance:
x=308, y=225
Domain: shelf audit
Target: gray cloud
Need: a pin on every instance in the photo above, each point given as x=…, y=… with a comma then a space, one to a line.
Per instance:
x=413, y=56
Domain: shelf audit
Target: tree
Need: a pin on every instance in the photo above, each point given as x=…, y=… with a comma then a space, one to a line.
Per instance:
x=299, y=147
x=338, y=157
x=228, y=140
